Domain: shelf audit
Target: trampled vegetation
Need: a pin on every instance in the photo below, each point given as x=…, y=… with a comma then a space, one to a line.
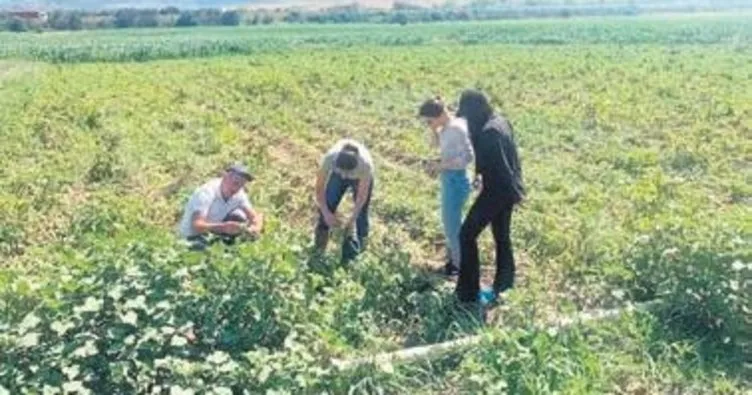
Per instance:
x=635, y=151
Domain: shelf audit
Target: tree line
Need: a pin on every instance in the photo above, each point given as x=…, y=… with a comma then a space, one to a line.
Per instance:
x=124, y=18
x=400, y=13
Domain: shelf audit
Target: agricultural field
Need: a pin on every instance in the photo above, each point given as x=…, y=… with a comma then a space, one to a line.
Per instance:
x=636, y=145
x=171, y=43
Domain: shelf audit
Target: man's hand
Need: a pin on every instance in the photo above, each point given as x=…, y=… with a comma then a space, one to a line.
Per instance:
x=200, y=225
x=232, y=228
x=331, y=220
x=254, y=230
x=255, y=222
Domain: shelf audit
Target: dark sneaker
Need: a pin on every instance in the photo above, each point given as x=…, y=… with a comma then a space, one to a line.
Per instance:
x=451, y=270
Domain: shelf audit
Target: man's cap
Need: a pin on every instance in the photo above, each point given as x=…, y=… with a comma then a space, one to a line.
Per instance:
x=241, y=170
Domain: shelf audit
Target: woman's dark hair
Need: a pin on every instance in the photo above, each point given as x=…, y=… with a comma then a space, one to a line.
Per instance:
x=432, y=108
x=475, y=108
x=347, y=159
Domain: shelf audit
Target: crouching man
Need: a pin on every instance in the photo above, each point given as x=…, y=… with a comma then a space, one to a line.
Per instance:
x=220, y=210
x=346, y=166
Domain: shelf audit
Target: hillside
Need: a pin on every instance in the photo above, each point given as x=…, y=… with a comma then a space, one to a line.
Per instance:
x=91, y=5
x=195, y=4
x=97, y=5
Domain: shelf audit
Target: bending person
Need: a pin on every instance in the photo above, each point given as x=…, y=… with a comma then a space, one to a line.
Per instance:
x=450, y=134
x=347, y=165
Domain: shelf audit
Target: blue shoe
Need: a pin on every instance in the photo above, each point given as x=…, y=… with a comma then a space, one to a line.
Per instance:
x=487, y=296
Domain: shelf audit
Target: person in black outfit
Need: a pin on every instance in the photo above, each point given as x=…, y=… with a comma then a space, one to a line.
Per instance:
x=498, y=170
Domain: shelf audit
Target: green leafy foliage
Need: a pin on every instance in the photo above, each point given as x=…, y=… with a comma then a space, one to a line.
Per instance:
x=131, y=319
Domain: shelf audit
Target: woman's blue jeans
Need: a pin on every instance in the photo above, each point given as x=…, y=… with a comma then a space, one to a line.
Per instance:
x=455, y=189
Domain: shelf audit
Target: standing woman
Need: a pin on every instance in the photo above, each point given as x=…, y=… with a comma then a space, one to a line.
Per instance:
x=498, y=165
x=450, y=134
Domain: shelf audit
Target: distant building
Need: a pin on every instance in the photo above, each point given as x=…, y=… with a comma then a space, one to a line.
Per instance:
x=33, y=16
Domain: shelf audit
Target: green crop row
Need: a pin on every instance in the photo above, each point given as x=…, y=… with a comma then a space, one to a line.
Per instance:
x=149, y=44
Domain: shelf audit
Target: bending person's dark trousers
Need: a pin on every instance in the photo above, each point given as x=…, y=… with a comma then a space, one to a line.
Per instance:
x=336, y=187
x=487, y=209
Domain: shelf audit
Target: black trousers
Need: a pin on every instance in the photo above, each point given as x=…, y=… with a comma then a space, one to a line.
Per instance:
x=487, y=209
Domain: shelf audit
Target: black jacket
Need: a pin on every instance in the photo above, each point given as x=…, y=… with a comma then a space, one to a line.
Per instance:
x=496, y=160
